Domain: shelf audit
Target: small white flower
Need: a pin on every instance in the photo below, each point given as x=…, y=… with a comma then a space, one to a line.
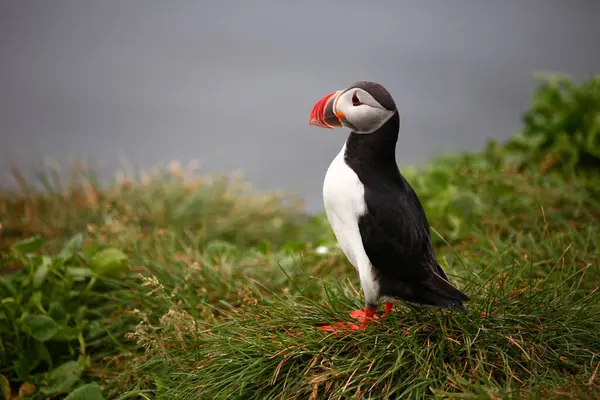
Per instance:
x=322, y=250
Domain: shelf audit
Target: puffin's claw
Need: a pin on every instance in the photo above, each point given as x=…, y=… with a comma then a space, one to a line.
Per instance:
x=363, y=316
x=342, y=326
x=388, y=308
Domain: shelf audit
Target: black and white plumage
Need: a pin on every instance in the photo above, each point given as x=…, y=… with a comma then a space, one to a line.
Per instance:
x=375, y=214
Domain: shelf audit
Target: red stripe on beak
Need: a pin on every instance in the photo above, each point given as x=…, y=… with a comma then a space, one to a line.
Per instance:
x=323, y=114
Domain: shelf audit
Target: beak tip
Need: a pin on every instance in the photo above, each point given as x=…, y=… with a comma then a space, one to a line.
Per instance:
x=322, y=113
x=314, y=121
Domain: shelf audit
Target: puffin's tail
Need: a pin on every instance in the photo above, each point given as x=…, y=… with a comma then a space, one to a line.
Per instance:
x=440, y=292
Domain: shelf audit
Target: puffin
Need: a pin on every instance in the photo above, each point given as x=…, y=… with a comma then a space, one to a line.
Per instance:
x=376, y=216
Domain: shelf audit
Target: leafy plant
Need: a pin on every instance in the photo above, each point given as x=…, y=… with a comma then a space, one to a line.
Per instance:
x=50, y=312
x=450, y=204
x=562, y=127
x=561, y=133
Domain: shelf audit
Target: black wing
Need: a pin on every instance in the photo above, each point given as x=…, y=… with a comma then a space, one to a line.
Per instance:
x=395, y=235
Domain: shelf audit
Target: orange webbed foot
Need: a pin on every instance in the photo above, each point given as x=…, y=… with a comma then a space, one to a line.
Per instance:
x=363, y=316
x=388, y=308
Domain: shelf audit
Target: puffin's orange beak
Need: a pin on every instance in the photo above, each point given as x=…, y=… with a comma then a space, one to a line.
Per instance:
x=323, y=113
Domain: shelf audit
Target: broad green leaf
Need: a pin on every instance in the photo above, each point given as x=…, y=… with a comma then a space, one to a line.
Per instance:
x=109, y=262
x=63, y=378
x=28, y=245
x=90, y=250
x=41, y=272
x=91, y=391
x=95, y=329
x=42, y=353
x=40, y=327
x=72, y=247
x=66, y=333
x=36, y=300
x=10, y=306
x=57, y=312
x=7, y=288
x=28, y=360
x=79, y=273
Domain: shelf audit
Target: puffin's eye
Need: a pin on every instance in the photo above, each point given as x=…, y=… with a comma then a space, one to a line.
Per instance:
x=355, y=100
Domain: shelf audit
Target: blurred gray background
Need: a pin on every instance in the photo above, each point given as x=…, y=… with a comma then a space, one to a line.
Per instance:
x=232, y=83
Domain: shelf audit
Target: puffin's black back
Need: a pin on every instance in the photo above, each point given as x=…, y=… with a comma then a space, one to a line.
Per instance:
x=394, y=230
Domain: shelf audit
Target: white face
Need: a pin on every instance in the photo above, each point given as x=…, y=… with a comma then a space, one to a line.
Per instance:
x=360, y=112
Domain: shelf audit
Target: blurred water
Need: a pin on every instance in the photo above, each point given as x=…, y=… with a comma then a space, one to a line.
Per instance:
x=231, y=83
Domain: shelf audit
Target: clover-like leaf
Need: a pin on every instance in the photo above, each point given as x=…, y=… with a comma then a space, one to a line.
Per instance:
x=91, y=391
x=40, y=327
x=63, y=378
x=109, y=262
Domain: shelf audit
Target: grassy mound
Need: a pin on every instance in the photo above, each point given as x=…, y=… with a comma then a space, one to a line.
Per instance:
x=178, y=287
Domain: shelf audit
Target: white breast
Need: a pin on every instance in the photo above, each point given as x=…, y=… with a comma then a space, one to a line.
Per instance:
x=343, y=196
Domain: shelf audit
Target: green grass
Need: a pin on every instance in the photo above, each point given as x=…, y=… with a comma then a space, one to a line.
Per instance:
x=179, y=287
x=224, y=290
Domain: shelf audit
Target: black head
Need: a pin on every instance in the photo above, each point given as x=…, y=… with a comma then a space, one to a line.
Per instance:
x=363, y=107
x=378, y=92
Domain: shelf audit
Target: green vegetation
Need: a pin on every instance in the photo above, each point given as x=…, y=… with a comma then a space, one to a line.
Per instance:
x=562, y=127
x=178, y=287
